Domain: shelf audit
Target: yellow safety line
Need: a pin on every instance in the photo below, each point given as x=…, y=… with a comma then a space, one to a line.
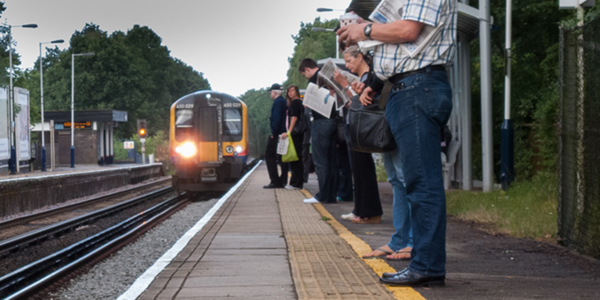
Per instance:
x=379, y=266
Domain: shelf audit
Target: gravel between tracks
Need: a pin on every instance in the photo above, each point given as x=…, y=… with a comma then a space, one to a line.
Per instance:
x=113, y=276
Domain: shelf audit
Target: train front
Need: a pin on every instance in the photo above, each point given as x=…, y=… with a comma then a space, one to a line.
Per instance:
x=208, y=141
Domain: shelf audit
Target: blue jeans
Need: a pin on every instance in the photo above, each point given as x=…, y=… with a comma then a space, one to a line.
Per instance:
x=403, y=236
x=416, y=111
x=324, y=157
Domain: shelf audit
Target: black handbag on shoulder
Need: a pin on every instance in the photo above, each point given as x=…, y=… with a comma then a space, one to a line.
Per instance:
x=369, y=130
x=301, y=125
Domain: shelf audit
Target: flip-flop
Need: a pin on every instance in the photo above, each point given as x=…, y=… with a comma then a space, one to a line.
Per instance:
x=385, y=253
x=398, y=259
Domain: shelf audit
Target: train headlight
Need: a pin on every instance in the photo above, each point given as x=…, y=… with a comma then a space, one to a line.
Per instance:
x=238, y=149
x=229, y=149
x=187, y=149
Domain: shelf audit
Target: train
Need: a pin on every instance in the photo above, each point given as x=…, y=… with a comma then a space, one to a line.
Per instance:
x=208, y=141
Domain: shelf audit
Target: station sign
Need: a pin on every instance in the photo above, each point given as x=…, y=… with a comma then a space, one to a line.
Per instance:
x=78, y=125
x=128, y=144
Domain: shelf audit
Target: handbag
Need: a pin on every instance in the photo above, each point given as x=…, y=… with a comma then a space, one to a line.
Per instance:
x=301, y=125
x=291, y=154
x=369, y=130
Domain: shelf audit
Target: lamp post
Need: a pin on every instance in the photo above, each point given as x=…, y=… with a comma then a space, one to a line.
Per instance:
x=42, y=101
x=337, y=45
x=325, y=9
x=13, y=152
x=73, y=103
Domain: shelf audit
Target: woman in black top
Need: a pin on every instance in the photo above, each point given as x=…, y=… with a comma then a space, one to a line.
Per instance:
x=295, y=113
x=367, y=204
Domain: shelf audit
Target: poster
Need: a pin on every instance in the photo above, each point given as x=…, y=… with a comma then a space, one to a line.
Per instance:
x=4, y=117
x=22, y=96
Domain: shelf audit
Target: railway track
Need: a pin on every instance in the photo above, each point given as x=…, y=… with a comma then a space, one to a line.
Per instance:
x=34, y=277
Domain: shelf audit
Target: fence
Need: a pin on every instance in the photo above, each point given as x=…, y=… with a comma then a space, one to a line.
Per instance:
x=579, y=140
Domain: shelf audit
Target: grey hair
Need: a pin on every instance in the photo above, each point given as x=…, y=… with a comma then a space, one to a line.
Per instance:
x=277, y=92
x=354, y=51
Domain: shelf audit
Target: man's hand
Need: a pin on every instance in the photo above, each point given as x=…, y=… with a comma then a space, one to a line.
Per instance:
x=367, y=95
x=284, y=135
x=352, y=34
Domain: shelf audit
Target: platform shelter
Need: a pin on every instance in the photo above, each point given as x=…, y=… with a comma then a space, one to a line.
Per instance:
x=93, y=139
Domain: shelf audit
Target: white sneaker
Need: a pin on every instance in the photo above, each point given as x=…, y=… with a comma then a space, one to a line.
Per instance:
x=311, y=201
x=349, y=216
x=289, y=187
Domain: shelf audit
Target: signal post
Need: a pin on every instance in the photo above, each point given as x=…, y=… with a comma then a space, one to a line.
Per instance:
x=142, y=134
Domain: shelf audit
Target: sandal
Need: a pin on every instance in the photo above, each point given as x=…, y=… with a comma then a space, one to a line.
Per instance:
x=367, y=220
x=402, y=254
x=380, y=249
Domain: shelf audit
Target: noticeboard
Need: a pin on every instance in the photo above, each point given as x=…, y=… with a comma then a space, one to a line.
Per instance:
x=4, y=117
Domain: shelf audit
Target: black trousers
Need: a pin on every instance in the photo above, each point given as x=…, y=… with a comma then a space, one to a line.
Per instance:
x=297, y=167
x=366, y=191
x=273, y=159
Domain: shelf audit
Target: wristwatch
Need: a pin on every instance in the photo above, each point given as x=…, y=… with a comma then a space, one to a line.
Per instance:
x=368, y=31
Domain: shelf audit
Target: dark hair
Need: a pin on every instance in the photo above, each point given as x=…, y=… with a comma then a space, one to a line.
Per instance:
x=307, y=63
x=287, y=96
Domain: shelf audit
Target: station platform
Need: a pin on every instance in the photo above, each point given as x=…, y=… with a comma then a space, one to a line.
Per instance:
x=27, y=192
x=267, y=244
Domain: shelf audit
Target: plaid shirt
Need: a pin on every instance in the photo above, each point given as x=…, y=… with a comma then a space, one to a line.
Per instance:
x=390, y=59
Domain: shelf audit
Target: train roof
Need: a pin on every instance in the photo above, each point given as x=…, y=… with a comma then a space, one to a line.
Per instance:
x=207, y=94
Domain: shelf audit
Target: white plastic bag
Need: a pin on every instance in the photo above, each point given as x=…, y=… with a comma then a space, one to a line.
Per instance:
x=282, y=146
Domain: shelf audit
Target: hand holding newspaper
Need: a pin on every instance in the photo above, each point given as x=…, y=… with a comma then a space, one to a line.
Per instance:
x=317, y=99
x=326, y=77
x=389, y=11
x=282, y=145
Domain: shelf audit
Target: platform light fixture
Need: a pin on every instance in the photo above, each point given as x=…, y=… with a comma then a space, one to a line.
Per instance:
x=42, y=100
x=13, y=163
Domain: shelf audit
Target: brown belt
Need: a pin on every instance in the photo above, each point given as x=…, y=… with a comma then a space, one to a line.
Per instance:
x=387, y=87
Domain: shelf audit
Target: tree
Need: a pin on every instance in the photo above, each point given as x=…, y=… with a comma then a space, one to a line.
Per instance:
x=310, y=44
x=130, y=71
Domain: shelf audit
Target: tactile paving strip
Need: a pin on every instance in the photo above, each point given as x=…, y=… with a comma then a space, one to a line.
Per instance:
x=323, y=265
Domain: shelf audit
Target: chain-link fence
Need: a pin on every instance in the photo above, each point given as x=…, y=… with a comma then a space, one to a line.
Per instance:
x=579, y=146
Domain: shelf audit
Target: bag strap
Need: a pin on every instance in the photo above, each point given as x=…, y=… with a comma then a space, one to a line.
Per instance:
x=385, y=94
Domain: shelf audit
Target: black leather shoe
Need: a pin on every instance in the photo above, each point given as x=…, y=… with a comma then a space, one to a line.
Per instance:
x=271, y=186
x=413, y=279
x=390, y=275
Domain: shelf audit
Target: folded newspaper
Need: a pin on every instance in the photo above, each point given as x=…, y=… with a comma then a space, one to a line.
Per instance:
x=318, y=100
x=389, y=11
x=326, y=77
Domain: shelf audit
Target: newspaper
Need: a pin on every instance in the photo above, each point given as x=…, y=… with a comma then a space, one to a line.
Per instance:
x=283, y=145
x=391, y=10
x=318, y=99
x=326, y=77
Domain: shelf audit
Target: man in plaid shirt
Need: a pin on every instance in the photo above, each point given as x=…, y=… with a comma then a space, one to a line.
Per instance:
x=418, y=107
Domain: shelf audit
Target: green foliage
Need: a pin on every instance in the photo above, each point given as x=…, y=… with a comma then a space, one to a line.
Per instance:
x=259, y=113
x=528, y=209
x=534, y=85
x=310, y=44
x=130, y=71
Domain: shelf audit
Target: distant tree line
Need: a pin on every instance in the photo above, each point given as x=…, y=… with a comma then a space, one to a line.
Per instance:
x=130, y=71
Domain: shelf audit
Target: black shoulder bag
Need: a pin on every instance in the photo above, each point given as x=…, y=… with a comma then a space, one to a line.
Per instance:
x=369, y=130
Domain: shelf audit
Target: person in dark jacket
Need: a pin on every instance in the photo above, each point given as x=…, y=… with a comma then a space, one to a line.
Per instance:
x=278, y=114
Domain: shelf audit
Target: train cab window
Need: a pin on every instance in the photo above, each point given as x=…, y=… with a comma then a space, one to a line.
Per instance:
x=233, y=124
x=184, y=123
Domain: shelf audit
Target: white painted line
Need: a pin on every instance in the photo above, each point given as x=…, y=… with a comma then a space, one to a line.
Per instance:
x=142, y=283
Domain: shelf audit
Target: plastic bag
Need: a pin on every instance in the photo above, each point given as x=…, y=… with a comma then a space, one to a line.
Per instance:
x=291, y=155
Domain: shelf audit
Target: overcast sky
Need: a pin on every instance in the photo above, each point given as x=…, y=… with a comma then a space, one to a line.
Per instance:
x=237, y=44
